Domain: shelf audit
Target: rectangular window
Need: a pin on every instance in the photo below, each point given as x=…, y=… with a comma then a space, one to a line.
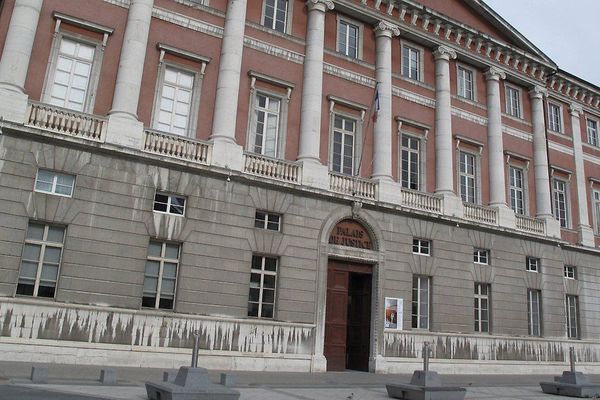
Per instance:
x=572, y=305
x=422, y=246
x=161, y=275
x=554, y=118
x=411, y=62
x=175, y=101
x=40, y=261
x=344, y=130
x=513, y=101
x=468, y=177
x=517, y=190
x=54, y=183
x=481, y=256
x=570, y=272
x=263, y=277
x=266, y=220
x=596, y=194
x=561, y=202
x=592, y=132
x=70, y=83
x=169, y=203
x=420, y=302
x=465, y=83
x=532, y=264
x=482, y=307
x=348, y=38
x=410, y=162
x=265, y=135
x=276, y=14
x=533, y=312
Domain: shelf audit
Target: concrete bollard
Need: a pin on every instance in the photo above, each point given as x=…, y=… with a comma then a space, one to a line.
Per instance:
x=228, y=379
x=39, y=374
x=108, y=376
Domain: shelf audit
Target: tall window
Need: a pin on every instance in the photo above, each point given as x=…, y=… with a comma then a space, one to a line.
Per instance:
x=517, y=190
x=265, y=135
x=561, y=202
x=420, y=302
x=174, y=104
x=411, y=62
x=348, y=38
x=70, y=83
x=40, y=260
x=533, y=312
x=263, y=277
x=344, y=130
x=513, y=101
x=465, y=83
x=161, y=275
x=410, y=162
x=554, y=118
x=597, y=210
x=468, y=177
x=572, y=305
x=482, y=307
x=592, y=132
x=276, y=14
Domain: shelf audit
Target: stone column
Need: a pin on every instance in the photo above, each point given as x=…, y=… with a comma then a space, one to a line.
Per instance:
x=226, y=152
x=444, y=173
x=15, y=59
x=123, y=126
x=313, y=173
x=586, y=233
x=540, y=162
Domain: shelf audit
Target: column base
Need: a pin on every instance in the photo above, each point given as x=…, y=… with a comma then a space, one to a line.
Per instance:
x=389, y=191
x=315, y=174
x=552, y=226
x=586, y=236
x=318, y=363
x=124, y=130
x=13, y=106
x=452, y=205
x=227, y=154
x=506, y=217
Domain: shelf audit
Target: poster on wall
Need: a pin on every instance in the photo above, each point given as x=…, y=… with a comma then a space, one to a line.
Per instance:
x=393, y=313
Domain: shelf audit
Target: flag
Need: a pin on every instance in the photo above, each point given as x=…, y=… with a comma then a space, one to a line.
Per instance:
x=375, y=107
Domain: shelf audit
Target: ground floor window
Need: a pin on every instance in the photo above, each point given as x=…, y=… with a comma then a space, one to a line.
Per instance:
x=263, y=276
x=482, y=307
x=161, y=275
x=420, y=302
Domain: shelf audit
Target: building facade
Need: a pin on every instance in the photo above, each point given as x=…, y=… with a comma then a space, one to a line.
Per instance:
x=308, y=186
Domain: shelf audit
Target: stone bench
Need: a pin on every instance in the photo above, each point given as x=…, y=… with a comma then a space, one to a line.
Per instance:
x=415, y=392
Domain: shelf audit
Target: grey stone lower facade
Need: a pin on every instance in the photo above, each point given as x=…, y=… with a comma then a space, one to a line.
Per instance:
x=96, y=315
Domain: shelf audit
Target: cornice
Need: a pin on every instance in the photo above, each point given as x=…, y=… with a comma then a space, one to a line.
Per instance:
x=569, y=89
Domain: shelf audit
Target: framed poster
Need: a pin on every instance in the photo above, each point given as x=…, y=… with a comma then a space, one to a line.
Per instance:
x=393, y=313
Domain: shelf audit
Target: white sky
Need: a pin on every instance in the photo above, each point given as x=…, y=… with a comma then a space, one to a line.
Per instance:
x=567, y=31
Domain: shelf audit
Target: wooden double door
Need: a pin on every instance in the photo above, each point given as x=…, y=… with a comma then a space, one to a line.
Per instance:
x=348, y=316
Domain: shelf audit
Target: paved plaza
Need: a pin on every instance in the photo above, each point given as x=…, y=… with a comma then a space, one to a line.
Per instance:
x=70, y=382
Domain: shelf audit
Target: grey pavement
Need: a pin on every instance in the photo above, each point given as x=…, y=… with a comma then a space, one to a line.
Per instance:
x=70, y=382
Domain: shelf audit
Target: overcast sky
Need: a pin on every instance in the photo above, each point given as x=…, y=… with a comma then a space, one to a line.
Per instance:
x=567, y=31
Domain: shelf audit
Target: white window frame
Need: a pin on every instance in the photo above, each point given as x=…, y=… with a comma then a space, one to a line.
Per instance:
x=263, y=272
x=534, y=312
x=532, y=264
x=480, y=298
x=596, y=210
x=355, y=142
x=359, y=40
x=519, y=99
x=266, y=219
x=523, y=190
x=254, y=122
x=43, y=244
x=288, y=17
x=555, y=120
x=462, y=67
x=555, y=202
x=592, y=134
x=162, y=259
x=54, y=182
x=170, y=203
x=193, y=105
x=481, y=256
x=570, y=272
x=572, y=316
x=475, y=176
x=421, y=247
x=418, y=152
x=423, y=309
x=420, y=67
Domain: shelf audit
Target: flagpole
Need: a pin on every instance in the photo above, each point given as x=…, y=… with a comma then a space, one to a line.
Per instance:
x=372, y=116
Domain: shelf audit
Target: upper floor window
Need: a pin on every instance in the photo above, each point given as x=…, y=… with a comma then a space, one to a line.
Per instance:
x=169, y=203
x=481, y=256
x=555, y=117
x=482, y=307
x=466, y=83
x=161, y=275
x=411, y=147
x=275, y=15
x=348, y=38
x=422, y=246
x=513, y=101
x=47, y=181
x=468, y=177
x=411, y=62
x=570, y=272
x=175, y=101
x=40, y=260
x=420, y=302
x=532, y=264
x=596, y=210
x=344, y=135
x=267, y=220
x=265, y=135
x=561, y=202
x=516, y=189
x=592, y=132
x=263, y=277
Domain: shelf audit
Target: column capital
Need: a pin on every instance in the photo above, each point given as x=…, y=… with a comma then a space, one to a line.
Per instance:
x=320, y=5
x=537, y=92
x=495, y=74
x=384, y=28
x=575, y=109
x=444, y=53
